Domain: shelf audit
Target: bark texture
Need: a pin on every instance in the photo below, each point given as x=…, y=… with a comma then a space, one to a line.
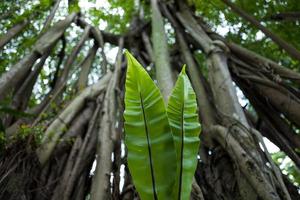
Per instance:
x=161, y=55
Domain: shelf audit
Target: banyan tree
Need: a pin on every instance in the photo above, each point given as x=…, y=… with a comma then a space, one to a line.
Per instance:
x=62, y=76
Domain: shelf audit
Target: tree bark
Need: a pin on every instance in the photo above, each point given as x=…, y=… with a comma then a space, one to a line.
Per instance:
x=161, y=55
x=97, y=35
x=9, y=79
x=22, y=95
x=85, y=68
x=101, y=185
x=49, y=19
x=206, y=110
x=71, y=58
x=12, y=32
x=58, y=126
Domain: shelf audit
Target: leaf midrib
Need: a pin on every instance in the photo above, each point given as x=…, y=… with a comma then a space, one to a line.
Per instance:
x=149, y=149
x=181, y=151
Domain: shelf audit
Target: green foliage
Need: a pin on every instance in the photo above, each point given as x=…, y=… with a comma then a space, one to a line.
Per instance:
x=162, y=162
x=39, y=9
x=116, y=15
x=236, y=29
x=36, y=11
x=26, y=131
x=287, y=167
x=183, y=118
x=2, y=135
x=201, y=61
x=73, y=6
x=4, y=110
x=151, y=155
x=14, y=112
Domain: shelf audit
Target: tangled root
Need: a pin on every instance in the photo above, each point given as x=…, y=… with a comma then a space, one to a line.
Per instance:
x=19, y=171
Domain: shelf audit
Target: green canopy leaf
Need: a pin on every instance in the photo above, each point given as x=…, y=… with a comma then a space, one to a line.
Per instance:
x=151, y=153
x=14, y=112
x=183, y=118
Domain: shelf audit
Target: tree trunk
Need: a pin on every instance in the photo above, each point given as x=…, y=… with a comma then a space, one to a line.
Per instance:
x=161, y=57
x=101, y=185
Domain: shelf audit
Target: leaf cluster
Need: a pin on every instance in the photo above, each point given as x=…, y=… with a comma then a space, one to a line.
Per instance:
x=162, y=142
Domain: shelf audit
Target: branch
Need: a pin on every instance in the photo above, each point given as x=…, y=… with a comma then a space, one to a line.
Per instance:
x=51, y=15
x=221, y=83
x=48, y=40
x=12, y=32
x=72, y=57
x=57, y=127
x=285, y=16
x=98, y=36
x=260, y=61
x=61, y=56
x=206, y=110
x=113, y=39
x=22, y=96
x=85, y=66
x=249, y=56
x=280, y=42
x=272, y=125
x=100, y=188
x=87, y=146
